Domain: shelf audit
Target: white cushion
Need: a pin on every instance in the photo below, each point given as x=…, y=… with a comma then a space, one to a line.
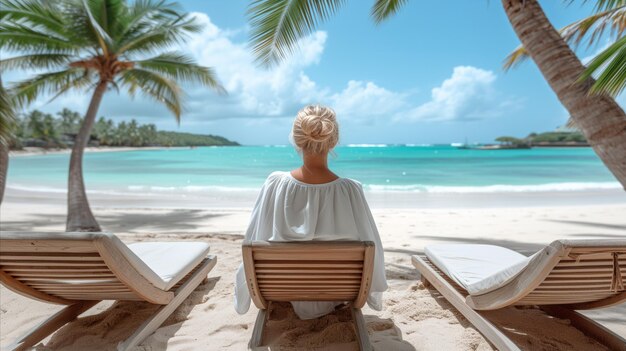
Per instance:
x=168, y=261
x=479, y=269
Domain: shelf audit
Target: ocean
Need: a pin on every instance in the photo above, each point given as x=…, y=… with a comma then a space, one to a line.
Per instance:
x=380, y=168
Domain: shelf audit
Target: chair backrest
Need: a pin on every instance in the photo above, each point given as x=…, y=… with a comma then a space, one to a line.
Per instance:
x=309, y=271
x=580, y=273
x=67, y=267
x=586, y=273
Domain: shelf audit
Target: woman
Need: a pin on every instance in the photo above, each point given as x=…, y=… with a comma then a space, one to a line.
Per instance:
x=313, y=203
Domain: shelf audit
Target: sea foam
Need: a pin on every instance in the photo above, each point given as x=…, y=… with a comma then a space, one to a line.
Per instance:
x=500, y=188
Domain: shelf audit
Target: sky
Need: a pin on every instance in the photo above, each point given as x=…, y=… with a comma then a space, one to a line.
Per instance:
x=431, y=74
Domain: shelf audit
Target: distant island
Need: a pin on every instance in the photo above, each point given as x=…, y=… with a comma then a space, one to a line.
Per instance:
x=43, y=130
x=561, y=137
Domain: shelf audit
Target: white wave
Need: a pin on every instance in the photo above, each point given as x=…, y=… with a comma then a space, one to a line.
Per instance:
x=418, y=145
x=500, y=188
x=188, y=189
x=142, y=190
x=38, y=189
x=63, y=190
x=367, y=145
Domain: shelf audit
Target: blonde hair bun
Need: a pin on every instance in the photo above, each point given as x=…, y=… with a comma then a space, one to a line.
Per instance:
x=315, y=129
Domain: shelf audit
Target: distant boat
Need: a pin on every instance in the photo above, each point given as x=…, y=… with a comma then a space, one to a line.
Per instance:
x=462, y=146
x=503, y=147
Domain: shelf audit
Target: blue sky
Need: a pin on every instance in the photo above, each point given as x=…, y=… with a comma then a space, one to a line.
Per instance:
x=432, y=74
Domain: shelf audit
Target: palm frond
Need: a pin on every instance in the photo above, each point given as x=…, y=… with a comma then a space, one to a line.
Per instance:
x=100, y=34
x=182, y=68
x=155, y=86
x=59, y=82
x=595, y=26
x=515, y=58
x=140, y=16
x=277, y=25
x=43, y=15
x=384, y=9
x=610, y=68
x=35, y=61
x=22, y=38
x=602, y=5
x=158, y=35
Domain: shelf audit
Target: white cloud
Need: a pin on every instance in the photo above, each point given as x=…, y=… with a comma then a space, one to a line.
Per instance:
x=361, y=100
x=467, y=95
x=260, y=95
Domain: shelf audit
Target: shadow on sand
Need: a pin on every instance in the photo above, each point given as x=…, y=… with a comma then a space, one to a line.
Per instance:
x=159, y=221
x=285, y=331
x=104, y=330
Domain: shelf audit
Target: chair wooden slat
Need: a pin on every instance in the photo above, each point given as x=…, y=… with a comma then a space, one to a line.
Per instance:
x=309, y=271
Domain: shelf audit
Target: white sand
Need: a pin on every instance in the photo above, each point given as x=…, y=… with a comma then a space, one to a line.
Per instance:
x=414, y=318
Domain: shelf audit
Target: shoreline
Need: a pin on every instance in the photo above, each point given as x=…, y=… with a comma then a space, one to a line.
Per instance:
x=39, y=151
x=376, y=200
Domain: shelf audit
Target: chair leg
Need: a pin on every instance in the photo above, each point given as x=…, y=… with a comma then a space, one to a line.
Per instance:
x=51, y=325
x=161, y=314
x=360, y=329
x=485, y=327
x=257, y=333
x=588, y=327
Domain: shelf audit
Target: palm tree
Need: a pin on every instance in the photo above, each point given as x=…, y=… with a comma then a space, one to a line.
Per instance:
x=96, y=45
x=277, y=25
x=8, y=121
x=70, y=121
x=598, y=116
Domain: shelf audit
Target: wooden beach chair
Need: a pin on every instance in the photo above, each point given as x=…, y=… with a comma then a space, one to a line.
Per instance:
x=565, y=276
x=309, y=271
x=82, y=269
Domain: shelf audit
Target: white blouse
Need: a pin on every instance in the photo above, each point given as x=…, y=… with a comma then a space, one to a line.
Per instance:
x=290, y=210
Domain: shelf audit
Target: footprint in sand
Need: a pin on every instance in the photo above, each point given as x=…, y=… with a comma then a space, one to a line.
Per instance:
x=230, y=327
x=380, y=325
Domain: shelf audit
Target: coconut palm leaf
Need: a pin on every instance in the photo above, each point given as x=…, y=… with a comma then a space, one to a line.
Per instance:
x=155, y=86
x=610, y=68
x=384, y=9
x=36, y=61
x=277, y=25
x=24, y=38
x=150, y=37
x=27, y=91
x=46, y=14
x=180, y=67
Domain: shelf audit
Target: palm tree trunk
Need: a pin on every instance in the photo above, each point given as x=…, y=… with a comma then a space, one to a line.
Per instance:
x=599, y=117
x=4, y=168
x=79, y=216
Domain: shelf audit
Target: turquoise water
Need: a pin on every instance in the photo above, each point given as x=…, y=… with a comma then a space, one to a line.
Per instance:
x=389, y=168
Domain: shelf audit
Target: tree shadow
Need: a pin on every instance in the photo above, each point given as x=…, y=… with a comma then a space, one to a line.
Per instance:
x=104, y=330
x=598, y=236
x=179, y=220
x=590, y=224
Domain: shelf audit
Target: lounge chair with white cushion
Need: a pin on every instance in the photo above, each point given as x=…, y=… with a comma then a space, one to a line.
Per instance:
x=82, y=269
x=565, y=276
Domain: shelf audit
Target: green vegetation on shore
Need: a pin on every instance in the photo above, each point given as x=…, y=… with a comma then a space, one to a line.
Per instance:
x=556, y=138
x=46, y=130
